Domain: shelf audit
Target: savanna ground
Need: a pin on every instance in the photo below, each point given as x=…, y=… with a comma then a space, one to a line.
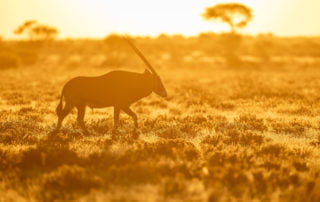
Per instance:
x=240, y=131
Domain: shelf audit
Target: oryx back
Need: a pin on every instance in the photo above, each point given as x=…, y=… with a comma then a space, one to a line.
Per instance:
x=117, y=88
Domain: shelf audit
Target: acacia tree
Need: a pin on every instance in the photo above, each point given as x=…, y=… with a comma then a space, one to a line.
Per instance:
x=36, y=31
x=234, y=14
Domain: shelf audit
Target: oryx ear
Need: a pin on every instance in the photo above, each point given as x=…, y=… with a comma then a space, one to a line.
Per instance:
x=147, y=71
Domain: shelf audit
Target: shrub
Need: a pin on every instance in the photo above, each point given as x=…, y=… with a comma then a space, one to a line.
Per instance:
x=173, y=188
x=170, y=133
x=19, y=132
x=9, y=60
x=67, y=182
x=27, y=56
x=251, y=122
x=294, y=127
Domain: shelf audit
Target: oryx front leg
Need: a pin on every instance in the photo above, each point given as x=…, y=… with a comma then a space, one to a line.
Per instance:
x=128, y=111
x=81, y=112
x=116, y=117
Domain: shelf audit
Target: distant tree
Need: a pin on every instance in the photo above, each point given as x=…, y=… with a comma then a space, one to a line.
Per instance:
x=44, y=32
x=25, y=26
x=36, y=31
x=234, y=14
x=113, y=40
x=115, y=49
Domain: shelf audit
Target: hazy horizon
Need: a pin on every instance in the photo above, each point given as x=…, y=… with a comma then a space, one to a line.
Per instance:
x=96, y=19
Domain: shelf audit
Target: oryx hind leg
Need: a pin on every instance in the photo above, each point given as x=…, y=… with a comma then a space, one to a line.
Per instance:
x=81, y=112
x=133, y=115
x=65, y=111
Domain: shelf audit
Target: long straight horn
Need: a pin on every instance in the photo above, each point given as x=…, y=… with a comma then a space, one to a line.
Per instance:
x=144, y=59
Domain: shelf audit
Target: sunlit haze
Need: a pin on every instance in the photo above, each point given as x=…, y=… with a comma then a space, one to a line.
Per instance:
x=97, y=18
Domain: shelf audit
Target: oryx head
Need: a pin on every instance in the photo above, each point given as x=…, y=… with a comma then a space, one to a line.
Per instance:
x=157, y=85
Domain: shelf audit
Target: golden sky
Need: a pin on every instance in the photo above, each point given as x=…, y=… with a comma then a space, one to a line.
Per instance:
x=97, y=18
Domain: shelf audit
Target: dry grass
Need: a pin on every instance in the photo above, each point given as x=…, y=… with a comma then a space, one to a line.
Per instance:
x=222, y=135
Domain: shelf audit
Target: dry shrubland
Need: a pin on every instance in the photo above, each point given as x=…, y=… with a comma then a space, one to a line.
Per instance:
x=244, y=131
